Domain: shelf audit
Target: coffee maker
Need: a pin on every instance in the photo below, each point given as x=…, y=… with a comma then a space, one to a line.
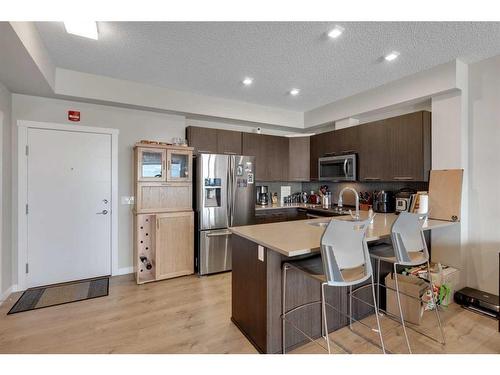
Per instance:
x=262, y=195
x=383, y=201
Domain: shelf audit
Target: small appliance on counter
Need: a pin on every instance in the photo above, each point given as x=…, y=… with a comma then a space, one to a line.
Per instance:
x=383, y=201
x=403, y=199
x=262, y=195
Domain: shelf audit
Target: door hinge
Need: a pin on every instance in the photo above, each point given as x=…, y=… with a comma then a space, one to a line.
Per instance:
x=27, y=268
x=27, y=150
x=27, y=209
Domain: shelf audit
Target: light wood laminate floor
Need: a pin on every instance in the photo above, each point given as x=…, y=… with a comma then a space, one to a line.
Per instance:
x=192, y=315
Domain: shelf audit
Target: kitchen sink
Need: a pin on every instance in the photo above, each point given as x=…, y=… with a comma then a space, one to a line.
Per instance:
x=321, y=224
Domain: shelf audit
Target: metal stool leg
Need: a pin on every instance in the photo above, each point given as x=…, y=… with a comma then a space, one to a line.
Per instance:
x=325, y=318
x=350, y=307
x=378, y=283
x=435, y=305
x=283, y=309
x=376, y=315
x=400, y=308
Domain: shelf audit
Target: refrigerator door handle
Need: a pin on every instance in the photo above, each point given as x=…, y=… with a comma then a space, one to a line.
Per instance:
x=219, y=234
x=233, y=187
x=229, y=199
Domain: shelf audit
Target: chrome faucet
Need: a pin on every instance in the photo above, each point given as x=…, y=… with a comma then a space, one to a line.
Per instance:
x=340, y=202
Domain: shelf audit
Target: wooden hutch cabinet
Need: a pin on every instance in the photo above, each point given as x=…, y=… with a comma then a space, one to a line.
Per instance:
x=163, y=215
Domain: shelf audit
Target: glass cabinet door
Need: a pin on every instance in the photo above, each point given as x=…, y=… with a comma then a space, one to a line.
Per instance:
x=178, y=165
x=151, y=164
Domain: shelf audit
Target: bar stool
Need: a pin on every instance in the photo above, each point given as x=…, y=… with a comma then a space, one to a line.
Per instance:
x=408, y=248
x=344, y=261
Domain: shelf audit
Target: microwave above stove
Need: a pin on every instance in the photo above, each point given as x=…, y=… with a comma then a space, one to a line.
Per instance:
x=337, y=168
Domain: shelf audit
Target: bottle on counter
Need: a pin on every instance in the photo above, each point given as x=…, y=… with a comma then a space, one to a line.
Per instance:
x=275, y=198
x=304, y=197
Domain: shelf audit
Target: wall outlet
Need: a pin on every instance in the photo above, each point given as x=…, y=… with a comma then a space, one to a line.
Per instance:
x=127, y=200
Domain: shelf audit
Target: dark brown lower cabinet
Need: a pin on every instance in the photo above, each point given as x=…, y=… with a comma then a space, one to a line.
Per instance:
x=256, y=299
x=276, y=215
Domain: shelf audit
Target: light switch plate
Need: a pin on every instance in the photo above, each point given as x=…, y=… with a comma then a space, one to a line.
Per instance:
x=127, y=200
x=261, y=253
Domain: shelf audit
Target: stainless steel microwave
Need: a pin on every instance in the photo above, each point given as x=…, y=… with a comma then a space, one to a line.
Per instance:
x=337, y=168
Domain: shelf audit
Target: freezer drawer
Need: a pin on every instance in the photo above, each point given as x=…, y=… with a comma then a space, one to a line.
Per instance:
x=214, y=253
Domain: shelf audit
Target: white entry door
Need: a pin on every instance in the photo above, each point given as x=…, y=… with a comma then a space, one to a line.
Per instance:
x=69, y=204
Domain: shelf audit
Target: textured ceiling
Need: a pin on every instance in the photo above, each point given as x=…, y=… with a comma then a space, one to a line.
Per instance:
x=212, y=58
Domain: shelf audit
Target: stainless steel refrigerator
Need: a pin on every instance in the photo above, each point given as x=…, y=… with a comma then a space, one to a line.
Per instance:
x=225, y=197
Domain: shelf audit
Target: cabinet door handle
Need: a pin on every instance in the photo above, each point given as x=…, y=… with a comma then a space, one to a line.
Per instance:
x=230, y=153
x=372, y=178
x=403, y=178
x=168, y=165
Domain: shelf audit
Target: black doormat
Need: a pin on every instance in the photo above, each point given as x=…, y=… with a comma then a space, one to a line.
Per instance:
x=59, y=294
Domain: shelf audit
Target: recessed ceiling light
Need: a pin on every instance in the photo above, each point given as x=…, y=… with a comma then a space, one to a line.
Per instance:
x=392, y=56
x=336, y=32
x=294, y=92
x=247, y=81
x=87, y=29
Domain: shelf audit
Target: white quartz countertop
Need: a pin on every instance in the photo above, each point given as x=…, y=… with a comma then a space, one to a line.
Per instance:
x=293, y=238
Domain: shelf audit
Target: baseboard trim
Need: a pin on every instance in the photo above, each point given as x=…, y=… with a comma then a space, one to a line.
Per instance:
x=12, y=289
x=124, y=271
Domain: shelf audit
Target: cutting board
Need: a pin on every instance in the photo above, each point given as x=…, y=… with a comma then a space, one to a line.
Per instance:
x=445, y=194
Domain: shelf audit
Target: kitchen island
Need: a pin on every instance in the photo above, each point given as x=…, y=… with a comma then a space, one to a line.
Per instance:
x=258, y=253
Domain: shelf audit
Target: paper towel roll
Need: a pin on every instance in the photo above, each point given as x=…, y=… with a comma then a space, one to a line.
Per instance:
x=423, y=204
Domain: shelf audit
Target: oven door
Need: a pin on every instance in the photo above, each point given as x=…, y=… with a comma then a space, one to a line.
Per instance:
x=337, y=168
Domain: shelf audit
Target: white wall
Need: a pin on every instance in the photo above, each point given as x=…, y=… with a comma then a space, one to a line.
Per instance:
x=449, y=245
x=134, y=125
x=5, y=208
x=219, y=124
x=484, y=163
x=417, y=87
x=95, y=87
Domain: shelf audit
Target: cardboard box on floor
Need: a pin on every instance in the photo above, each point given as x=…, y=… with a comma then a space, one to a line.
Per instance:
x=413, y=286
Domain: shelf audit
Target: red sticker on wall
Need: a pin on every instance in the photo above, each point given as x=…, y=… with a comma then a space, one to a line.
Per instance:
x=74, y=116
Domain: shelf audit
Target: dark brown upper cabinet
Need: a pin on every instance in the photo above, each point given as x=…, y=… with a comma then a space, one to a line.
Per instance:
x=396, y=149
x=271, y=153
x=202, y=139
x=409, y=139
x=215, y=141
x=298, y=163
x=373, y=156
x=346, y=141
x=321, y=144
x=228, y=142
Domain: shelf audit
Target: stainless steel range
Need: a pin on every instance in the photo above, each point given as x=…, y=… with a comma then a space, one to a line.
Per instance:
x=225, y=197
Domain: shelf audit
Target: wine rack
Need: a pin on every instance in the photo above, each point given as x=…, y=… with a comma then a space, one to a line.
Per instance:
x=145, y=247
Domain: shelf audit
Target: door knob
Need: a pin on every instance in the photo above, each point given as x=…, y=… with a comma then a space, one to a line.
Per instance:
x=103, y=212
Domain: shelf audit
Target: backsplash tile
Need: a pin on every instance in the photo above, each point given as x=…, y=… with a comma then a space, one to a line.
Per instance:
x=335, y=187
